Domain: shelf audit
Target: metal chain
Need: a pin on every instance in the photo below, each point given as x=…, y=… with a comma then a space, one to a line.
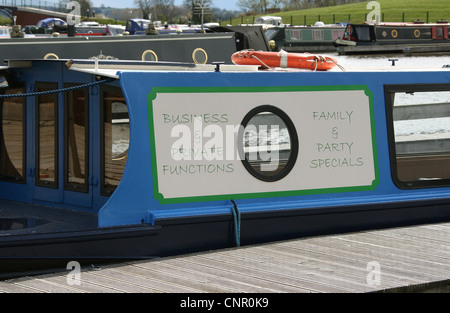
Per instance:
x=49, y=92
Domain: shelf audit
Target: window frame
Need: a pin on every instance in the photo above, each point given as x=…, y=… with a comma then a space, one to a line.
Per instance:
x=106, y=190
x=19, y=179
x=293, y=136
x=38, y=182
x=407, y=88
x=72, y=186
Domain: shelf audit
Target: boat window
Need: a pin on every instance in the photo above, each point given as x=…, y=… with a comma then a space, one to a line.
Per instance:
x=115, y=136
x=269, y=143
x=77, y=144
x=419, y=121
x=317, y=34
x=12, y=136
x=439, y=32
x=199, y=56
x=336, y=34
x=149, y=55
x=296, y=34
x=47, y=136
x=270, y=33
x=363, y=33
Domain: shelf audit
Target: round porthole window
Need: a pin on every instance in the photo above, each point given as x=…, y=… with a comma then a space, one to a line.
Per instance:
x=269, y=143
x=149, y=55
x=199, y=56
x=51, y=56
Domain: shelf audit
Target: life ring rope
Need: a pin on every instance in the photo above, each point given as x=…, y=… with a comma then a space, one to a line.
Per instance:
x=264, y=64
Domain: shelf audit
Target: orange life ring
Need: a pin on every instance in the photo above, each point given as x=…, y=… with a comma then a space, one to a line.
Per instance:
x=283, y=59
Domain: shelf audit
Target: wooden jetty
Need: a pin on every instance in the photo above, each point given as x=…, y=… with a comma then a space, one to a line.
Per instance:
x=406, y=259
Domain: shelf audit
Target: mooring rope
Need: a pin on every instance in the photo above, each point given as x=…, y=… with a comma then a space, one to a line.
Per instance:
x=62, y=90
x=237, y=223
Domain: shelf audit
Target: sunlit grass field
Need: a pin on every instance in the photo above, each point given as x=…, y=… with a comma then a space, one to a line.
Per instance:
x=391, y=11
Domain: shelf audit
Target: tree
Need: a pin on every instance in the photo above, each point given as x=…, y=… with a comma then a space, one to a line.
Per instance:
x=145, y=7
x=158, y=9
x=261, y=6
x=253, y=5
x=86, y=7
x=166, y=10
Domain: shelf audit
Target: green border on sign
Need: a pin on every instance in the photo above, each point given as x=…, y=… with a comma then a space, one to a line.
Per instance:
x=158, y=90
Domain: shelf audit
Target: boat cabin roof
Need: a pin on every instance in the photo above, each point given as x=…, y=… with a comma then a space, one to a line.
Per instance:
x=110, y=68
x=409, y=24
x=113, y=68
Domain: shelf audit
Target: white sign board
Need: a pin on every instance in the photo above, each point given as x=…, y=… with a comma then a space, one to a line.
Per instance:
x=195, y=144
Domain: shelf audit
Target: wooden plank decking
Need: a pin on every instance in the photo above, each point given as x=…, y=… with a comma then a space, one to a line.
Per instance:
x=408, y=258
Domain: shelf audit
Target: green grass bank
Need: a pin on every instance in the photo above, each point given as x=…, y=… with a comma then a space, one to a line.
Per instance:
x=391, y=11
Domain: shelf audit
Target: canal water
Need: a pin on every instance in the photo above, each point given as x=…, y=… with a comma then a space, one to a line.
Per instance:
x=411, y=127
x=383, y=61
x=427, y=128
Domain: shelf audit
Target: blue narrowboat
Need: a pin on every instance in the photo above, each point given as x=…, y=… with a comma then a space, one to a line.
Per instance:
x=118, y=160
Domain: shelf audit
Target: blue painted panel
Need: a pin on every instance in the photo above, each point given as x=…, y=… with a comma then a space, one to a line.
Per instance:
x=135, y=201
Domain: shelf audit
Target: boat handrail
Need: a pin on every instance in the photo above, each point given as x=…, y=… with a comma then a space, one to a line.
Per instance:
x=61, y=90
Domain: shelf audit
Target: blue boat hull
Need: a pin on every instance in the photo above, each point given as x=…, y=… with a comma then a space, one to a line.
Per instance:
x=28, y=254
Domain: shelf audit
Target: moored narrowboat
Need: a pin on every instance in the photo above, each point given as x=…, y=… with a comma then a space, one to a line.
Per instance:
x=317, y=38
x=114, y=160
x=198, y=48
x=408, y=38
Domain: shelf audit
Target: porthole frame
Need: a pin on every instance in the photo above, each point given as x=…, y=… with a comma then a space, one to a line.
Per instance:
x=293, y=136
x=149, y=52
x=194, y=58
x=394, y=33
x=51, y=56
